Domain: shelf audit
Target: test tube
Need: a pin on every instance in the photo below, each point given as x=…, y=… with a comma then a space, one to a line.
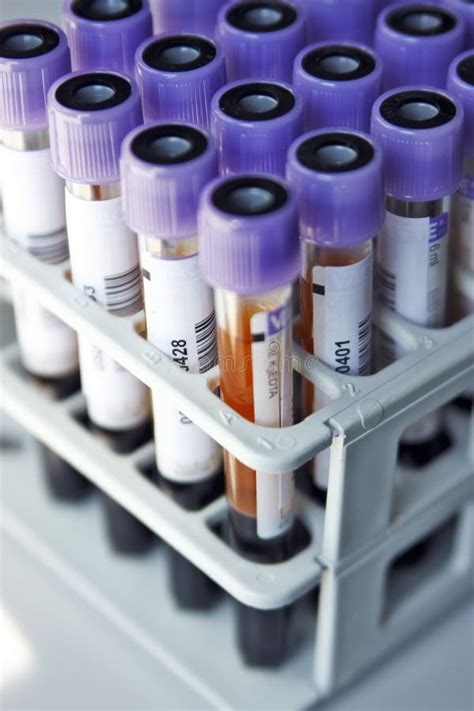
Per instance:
x=89, y=115
x=164, y=168
x=254, y=124
x=341, y=20
x=196, y=16
x=420, y=133
x=337, y=179
x=464, y=9
x=106, y=33
x=461, y=85
x=32, y=55
x=338, y=84
x=260, y=39
x=417, y=42
x=178, y=75
x=249, y=253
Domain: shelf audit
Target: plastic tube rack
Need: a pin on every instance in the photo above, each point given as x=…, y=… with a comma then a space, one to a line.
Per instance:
x=376, y=509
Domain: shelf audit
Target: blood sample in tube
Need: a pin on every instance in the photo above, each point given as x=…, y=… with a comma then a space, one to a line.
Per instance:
x=249, y=251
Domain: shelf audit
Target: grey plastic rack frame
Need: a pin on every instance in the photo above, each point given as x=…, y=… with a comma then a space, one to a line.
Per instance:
x=368, y=491
x=375, y=508
x=363, y=612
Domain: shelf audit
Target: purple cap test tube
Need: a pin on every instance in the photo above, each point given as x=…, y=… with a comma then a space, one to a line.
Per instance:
x=178, y=76
x=247, y=228
x=420, y=133
x=164, y=167
x=464, y=9
x=90, y=113
x=106, y=34
x=254, y=124
x=249, y=251
x=338, y=84
x=195, y=16
x=337, y=179
x=260, y=39
x=417, y=42
x=33, y=55
x=461, y=85
x=341, y=20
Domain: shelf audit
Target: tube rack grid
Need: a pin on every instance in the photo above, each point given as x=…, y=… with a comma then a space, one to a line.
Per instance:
x=375, y=508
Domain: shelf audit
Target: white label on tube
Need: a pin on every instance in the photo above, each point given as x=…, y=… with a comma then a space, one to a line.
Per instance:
x=33, y=203
x=48, y=346
x=116, y=400
x=342, y=316
x=412, y=256
x=412, y=267
x=104, y=265
x=104, y=253
x=181, y=323
x=273, y=407
x=342, y=329
x=463, y=224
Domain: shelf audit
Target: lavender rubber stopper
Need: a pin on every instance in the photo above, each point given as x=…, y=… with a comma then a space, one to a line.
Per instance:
x=461, y=86
x=106, y=35
x=33, y=54
x=341, y=20
x=261, y=39
x=178, y=76
x=194, y=16
x=254, y=124
x=417, y=42
x=164, y=167
x=338, y=182
x=419, y=130
x=465, y=9
x=248, y=234
x=90, y=113
x=338, y=83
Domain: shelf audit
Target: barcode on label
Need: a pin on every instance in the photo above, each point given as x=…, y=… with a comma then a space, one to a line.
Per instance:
x=124, y=291
x=52, y=248
x=388, y=287
x=206, y=343
x=365, y=339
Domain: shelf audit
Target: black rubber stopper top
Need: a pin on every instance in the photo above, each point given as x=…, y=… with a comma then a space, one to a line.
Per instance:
x=421, y=20
x=465, y=69
x=179, y=53
x=261, y=16
x=105, y=10
x=335, y=152
x=418, y=108
x=338, y=62
x=257, y=101
x=249, y=196
x=96, y=91
x=26, y=40
x=169, y=144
